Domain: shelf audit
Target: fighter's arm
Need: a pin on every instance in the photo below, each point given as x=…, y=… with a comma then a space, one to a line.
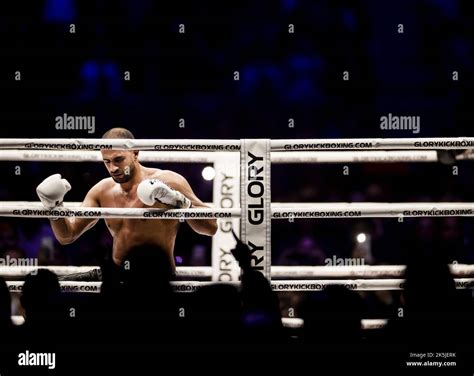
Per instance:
x=67, y=230
x=179, y=183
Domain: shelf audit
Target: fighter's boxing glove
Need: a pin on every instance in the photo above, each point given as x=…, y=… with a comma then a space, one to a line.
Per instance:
x=51, y=191
x=151, y=190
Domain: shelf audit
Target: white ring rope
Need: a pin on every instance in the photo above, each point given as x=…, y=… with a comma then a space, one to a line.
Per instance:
x=367, y=324
x=282, y=205
x=125, y=144
x=287, y=285
x=23, y=270
x=374, y=210
x=373, y=156
x=358, y=271
x=66, y=286
x=234, y=145
x=355, y=271
x=301, y=210
x=75, y=204
x=38, y=211
x=372, y=143
x=288, y=322
x=95, y=156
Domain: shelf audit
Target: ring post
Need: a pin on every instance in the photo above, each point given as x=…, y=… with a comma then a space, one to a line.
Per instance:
x=226, y=195
x=255, y=202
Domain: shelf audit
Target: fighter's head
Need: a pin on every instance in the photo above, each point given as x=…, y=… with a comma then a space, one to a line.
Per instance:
x=121, y=164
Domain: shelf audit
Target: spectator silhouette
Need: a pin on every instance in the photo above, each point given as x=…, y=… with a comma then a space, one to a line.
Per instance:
x=6, y=326
x=41, y=296
x=332, y=316
x=148, y=305
x=43, y=306
x=261, y=310
x=431, y=304
x=261, y=316
x=215, y=316
x=8, y=349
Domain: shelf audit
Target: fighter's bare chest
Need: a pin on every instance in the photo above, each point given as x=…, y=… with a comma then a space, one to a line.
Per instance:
x=120, y=200
x=115, y=198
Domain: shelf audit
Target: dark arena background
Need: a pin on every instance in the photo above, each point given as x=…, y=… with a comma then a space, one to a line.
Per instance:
x=234, y=70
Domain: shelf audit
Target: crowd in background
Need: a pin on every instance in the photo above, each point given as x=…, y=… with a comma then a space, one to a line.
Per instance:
x=407, y=58
x=138, y=312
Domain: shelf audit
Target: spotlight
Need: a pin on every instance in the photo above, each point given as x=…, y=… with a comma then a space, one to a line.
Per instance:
x=208, y=173
x=361, y=238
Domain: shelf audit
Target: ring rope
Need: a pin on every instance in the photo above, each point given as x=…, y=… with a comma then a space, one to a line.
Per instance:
x=372, y=143
x=357, y=271
x=95, y=156
x=234, y=145
x=125, y=144
x=288, y=322
x=65, y=203
x=38, y=211
x=21, y=271
x=286, y=285
x=305, y=210
x=373, y=156
x=367, y=324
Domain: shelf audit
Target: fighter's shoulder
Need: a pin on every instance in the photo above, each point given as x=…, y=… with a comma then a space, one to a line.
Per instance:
x=102, y=185
x=168, y=176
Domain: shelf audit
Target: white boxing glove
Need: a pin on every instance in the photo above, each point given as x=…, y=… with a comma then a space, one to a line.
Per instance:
x=151, y=190
x=52, y=190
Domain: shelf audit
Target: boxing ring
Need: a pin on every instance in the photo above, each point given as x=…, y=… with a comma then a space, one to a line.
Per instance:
x=241, y=201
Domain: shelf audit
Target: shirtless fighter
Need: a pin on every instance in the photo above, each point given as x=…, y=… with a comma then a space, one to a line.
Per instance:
x=131, y=185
